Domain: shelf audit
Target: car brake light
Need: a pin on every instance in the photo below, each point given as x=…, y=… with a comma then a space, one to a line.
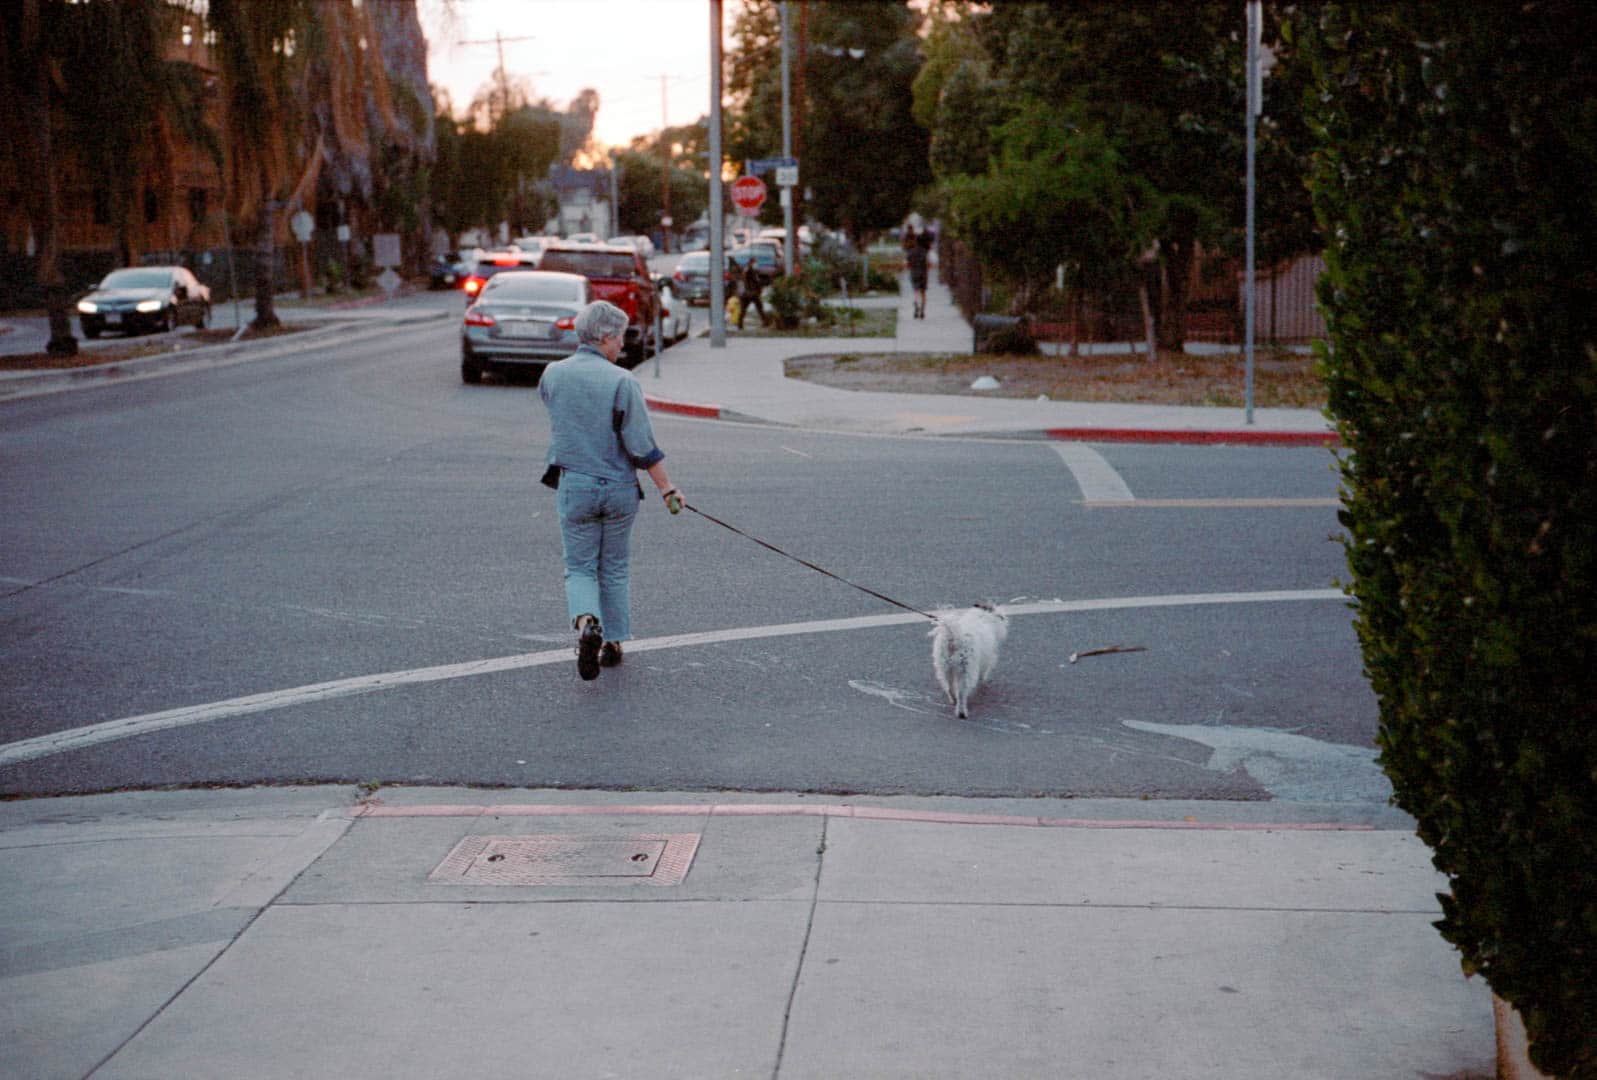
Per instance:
x=567, y=323
x=473, y=285
x=680, y=276
x=507, y=262
x=665, y=313
x=478, y=317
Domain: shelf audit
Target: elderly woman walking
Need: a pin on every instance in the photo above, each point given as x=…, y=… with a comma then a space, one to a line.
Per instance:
x=599, y=437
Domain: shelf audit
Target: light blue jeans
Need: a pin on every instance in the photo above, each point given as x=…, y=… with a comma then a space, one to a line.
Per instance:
x=596, y=518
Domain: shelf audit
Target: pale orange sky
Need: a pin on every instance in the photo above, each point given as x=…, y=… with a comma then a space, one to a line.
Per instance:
x=618, y=47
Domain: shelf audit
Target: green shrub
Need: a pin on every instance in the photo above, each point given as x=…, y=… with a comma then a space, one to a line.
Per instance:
x=787, y=299
x=1452, y=178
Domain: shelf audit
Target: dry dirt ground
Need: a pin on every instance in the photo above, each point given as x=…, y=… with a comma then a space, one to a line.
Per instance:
x=1281, y=379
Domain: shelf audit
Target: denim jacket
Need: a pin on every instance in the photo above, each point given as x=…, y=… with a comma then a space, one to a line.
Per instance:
x=599, y=424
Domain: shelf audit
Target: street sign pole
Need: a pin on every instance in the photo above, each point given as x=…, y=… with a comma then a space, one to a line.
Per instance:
x=717, y=207
x=1255, y=18
x=787, y=145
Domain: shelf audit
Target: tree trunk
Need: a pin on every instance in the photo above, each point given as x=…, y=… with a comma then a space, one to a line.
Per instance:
x=1178, y=251
x=265, y=257
x=39, y=164
x=1148, y=335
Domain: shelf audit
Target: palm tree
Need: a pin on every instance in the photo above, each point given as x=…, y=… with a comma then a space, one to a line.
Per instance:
x=26, y=128
x=126, y=102
x=259, y=51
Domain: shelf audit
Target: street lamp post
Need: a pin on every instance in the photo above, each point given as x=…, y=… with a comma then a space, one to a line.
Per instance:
x=717, y=210
x=787, y=145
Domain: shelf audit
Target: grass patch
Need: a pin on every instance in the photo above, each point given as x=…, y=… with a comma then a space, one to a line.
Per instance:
x=849, y=322
x=1281, y=379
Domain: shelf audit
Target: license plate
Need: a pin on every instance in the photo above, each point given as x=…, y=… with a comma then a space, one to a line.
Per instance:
x=530, y=328
x=114, y=318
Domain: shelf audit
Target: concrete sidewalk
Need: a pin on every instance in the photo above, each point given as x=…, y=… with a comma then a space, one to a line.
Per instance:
x=285, y=932
x=744, y=380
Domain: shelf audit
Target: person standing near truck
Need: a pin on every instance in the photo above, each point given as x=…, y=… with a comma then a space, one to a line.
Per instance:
x=599, y=437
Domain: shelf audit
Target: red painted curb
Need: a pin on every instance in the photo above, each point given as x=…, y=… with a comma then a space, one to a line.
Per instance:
x=682, y=408
x=841, y=810
x=1196, y=438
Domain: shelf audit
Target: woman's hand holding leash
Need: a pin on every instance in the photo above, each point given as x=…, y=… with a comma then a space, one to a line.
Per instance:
x=673, y=500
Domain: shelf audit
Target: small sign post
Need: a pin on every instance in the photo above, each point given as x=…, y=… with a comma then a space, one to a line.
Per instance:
x=304, y=226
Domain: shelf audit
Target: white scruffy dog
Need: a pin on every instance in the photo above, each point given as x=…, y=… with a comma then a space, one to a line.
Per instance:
x=965, y=651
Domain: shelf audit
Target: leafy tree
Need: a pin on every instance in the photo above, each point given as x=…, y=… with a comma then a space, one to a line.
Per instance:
x=861, y=155
x=1164, y=82
x=864, y=155
x=1055, y=192
x=639, y=186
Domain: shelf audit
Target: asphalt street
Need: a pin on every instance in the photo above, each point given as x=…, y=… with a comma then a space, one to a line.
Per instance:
x=354, y=515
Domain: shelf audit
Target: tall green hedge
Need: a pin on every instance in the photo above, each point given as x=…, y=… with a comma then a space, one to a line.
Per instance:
x=1455, y=179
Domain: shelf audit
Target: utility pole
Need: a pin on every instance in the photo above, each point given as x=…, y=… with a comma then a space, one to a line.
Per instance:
x=717, y=209
x=787, y=145
x=665, y=172
x=1254, y=96
x=504, y=81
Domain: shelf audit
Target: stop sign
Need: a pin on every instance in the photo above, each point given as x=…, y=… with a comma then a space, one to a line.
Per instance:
x=748, y=193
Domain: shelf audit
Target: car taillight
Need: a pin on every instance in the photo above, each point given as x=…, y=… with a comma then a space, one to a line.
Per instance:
x=665, y=313
x=478, y=317
x=473, y=285
x=567, y=323
x=679, y=275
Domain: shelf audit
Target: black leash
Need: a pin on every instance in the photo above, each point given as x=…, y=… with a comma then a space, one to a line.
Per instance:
x=806, y=562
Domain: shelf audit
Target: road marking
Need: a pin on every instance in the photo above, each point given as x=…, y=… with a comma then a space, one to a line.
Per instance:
x=1097, y=479
x=60, y=742
x=1206, y=504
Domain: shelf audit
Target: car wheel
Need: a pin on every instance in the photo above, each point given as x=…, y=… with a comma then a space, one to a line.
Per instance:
x=470, y=368
x=168, y=321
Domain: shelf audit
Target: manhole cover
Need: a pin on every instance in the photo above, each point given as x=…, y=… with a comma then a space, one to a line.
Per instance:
x=557, y=859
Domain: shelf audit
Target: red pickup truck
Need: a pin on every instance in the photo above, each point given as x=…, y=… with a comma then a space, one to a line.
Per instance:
x=618, y=274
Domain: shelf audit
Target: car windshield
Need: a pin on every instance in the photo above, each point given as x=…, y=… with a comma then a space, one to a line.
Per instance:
x=137, y=277
x=590, y=263
x=535, y=287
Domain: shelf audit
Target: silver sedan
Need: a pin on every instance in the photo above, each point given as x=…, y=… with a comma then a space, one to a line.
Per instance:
x=522, y=321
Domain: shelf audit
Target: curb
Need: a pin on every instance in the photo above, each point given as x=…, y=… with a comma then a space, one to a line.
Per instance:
x=1191, y=437
x=829, y=810
x=683, y=408
x=19, y=384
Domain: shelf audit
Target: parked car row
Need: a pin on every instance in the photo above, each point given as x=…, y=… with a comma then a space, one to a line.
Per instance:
x=521, y=305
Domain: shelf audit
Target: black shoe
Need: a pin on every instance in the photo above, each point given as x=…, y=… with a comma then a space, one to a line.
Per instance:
x=588, y=643
x=610, y=655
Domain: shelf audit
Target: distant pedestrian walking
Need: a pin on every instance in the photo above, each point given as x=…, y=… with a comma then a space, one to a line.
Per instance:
x=918, y=256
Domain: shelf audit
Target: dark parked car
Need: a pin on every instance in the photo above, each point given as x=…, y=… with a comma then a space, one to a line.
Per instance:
x=522, y=320
x=140, y=298
x=448, y=271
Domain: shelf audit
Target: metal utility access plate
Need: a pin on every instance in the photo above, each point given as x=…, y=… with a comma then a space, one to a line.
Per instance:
x=561, y=859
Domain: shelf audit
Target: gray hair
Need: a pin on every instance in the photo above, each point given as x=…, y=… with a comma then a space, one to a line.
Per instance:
x=598, y=321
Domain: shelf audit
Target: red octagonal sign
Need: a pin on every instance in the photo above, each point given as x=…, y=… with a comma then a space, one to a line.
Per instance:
x=748, y=193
